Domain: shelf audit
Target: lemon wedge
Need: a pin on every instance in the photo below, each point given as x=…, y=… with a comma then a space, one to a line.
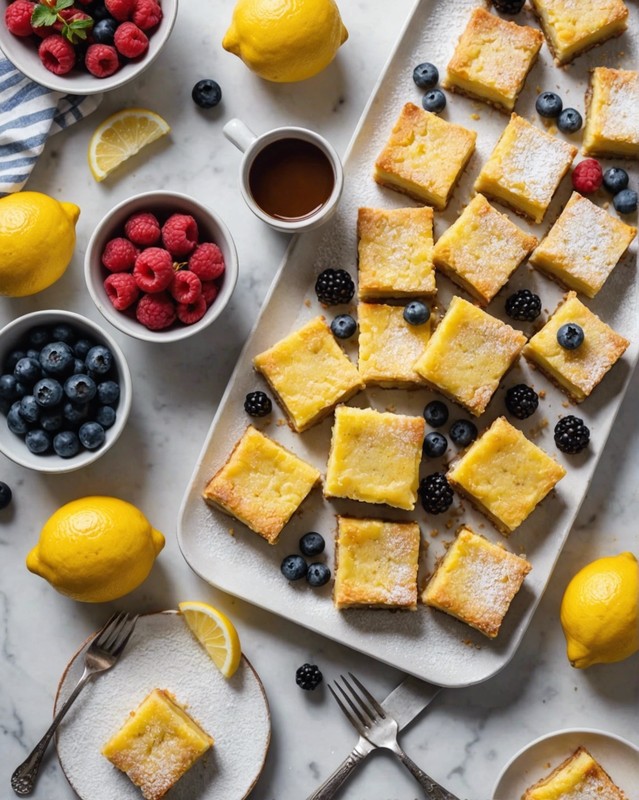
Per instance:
x=121, y=136
x=216, y=633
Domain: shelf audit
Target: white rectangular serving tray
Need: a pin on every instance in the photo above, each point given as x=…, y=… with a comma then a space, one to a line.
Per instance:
x=426, y=643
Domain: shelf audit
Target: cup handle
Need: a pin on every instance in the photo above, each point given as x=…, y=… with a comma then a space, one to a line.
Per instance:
x=239, y=134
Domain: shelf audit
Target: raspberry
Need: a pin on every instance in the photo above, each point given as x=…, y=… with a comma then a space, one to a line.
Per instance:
x=188, y=313
x=186, y=287
x=180, y=234
x=17, y=18
x=57, y=54
x=155, y=311
x=146, y=14
x=153, y=271
x=130, y=40
x=120, y=9
x=142, y=229
x=587, y=176
x=209, y=291
x=119, y=255
x=102, y=60
x=207, y=261
x=122, y=290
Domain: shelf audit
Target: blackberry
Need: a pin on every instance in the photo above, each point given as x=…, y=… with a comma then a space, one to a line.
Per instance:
x=312, y=544
x=426, y=75
x=435, y=445
x=257, y=404
x=522, y=401
x=435, y=493
x=308, y=677
x=343, y=326
x=434, y=101
x=570, y=336
x=5, y=495
x=509, y=6
x=318, y=574
x=463, y=432
x=571, y=435
x=334, y=287
x=436, y=414
x=523, y=305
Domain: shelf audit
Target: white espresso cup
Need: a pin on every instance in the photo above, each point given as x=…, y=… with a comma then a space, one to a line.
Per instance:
x=253, y=146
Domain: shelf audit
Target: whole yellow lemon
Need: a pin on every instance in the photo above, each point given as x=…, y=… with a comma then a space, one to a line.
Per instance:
x=285, y=40
x=600, y=611
x=96, y=549
x=37, y=239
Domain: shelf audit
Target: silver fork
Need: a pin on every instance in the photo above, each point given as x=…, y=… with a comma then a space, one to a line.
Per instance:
x=370, y=720
x=104, y=650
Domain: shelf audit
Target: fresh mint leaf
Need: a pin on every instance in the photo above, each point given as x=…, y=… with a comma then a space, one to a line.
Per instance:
x=76, y=29
x=62, y=4
x=43, y=15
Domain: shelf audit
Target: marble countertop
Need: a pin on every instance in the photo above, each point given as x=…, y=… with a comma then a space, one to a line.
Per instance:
x=467, y=735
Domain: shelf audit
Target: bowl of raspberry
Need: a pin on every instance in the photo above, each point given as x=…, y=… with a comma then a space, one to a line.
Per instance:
x=161, y=266
x=85, y=46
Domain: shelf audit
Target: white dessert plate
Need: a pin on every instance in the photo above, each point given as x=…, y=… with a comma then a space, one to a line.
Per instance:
x=617, y=756
x=164, y=654
x=426, y=643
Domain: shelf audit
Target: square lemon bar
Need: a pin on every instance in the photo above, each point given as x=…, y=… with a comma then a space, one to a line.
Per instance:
x=157, y=744
x=579, y=777
x=468, y=354
x=583, y=246
x=476, y=582
x=261, y=484
x=376, y=563
x=481, y=250
x=504, y=475
x=578, y=371
x=612, y=121
x=389, y=346
x=375, y=457
x=424, y=156
x=309, y=373
x=492, y=59
x=573, y=26
x=525, y=168
x=395, y=249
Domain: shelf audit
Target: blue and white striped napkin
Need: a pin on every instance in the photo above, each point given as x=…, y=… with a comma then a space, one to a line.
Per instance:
x=29, y=113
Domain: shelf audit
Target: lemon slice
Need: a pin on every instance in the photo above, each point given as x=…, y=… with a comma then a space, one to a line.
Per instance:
x=216, y=633
x=121, y=136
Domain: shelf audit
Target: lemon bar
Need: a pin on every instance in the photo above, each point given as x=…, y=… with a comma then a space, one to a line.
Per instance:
x=157, y=744
x=376, y=563
x=389, y=346
x=578, y=371
x=424, y=156
x=612, y=121
x=395, y=249
x=492, y=59
x=261, y=484
x=579, y=777
x=468, y=354
x=573, y=26
x=504, y=475
x=309, y=373
x=375, y=457
x=481, y=250
x=476, y=582
x=525, y=168
x=583, y=246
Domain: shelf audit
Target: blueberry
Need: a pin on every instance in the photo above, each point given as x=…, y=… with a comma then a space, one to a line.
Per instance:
x=27, y=371
x=75, y=414
x=79, y=367
x=569, y=121
x=625, y=202
x=51, y=420
x=99, y=360
x=48, y=392
x=434, y=101
x=343, y=326
x=12, y=359
x=33, y=353
x=91, y=435
x=570, y=336
x=104, y=31
x=56, y=358
x=416, y=313
x=206, y=93
x=80, y=388
x=318, y=574
x=8, y=387
x=312, y=544
x=5, y=495
x=98, y=11
x=66, y=444
x=549, y=104
x=38, y=337
x=108, y=392
x=63, y=332
x=15, y=421
x=29, y=409
x=463, y=432
x=38, y=441
x=293, y=568
x=105, y=415
x=435, y=445
x=436, y=414
x=615, y=179
x=426, y=75
x=81, y=348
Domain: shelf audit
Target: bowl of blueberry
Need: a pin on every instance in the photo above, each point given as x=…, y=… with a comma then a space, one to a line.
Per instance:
x=65, y=391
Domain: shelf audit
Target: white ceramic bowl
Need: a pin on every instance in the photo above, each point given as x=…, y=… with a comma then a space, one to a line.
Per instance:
x=23, y=54
x=211, y=228
x=12, y=445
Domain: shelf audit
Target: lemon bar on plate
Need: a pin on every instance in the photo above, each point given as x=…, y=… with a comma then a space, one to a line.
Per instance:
x=424, y=156
x=395, y=250
x=577, y=371
x=481, y=250
x=376, y=563
x=525, y=168
x=468, y=354
x=583, y=246
x=579, y=777
x=157, y=744
x=504, y=475
x=492, y=59
x=612, y=121
x=476, y=582
x=261, y=484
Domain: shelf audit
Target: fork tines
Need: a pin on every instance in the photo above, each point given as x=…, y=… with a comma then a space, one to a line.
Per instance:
x=365, y=714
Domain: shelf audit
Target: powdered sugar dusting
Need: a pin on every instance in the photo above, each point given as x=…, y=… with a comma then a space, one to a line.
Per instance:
x=621, y=120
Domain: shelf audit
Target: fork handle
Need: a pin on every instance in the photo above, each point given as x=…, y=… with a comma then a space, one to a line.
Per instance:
x=433, y=790
x=330, y=786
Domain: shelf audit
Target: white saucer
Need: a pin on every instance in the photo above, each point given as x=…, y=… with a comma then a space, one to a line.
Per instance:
x=617, y=756
x=164, y=654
